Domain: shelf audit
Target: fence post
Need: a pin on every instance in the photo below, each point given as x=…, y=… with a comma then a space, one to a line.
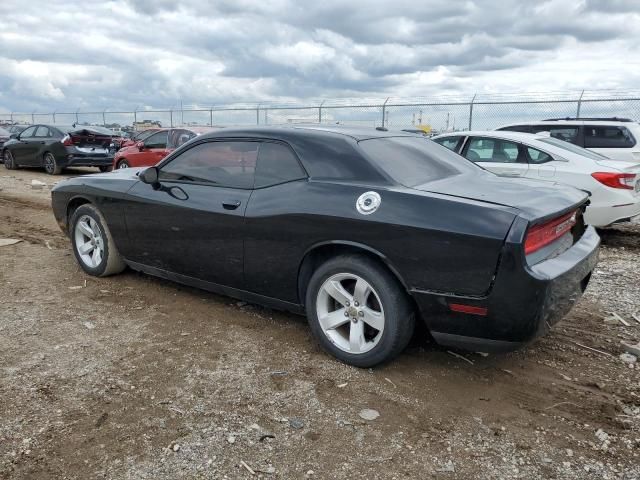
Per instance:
x=54, y=117
x=135, y=117
x=77, y=120
x=258, y=114
x=384, y=111
x=11, y=118
x=579, y=104
x=320, y=112
x=211, y=117
x=471, y=111
x=104, y=121
x=171, y=117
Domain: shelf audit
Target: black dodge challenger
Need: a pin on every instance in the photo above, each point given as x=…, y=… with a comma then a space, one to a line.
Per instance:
x=365, y=231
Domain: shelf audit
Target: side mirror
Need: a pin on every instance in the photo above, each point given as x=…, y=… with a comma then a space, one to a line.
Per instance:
x=140, y=146
x=15, y=136
x=150, y=176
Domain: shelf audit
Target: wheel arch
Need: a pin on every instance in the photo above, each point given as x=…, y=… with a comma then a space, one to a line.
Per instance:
x=73, y=205
x=321, y=252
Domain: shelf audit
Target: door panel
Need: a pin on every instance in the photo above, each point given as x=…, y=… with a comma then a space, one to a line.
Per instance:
x=193, y=230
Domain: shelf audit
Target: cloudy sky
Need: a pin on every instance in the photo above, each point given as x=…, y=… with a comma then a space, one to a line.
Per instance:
x=62, y=54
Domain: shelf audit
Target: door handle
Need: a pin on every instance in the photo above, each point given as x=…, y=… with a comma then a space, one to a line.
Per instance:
x=231, y=204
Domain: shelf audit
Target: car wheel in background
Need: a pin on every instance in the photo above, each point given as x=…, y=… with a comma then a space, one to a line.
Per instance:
x=92, y=243
x=9, y=161
x=106, y=168
x=123, y=164
x=51, y=165
x=358, y=311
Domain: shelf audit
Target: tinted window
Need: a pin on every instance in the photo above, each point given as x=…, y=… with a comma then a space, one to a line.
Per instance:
x=412, y=161
x=452, y=143
x=227, y=164
x=517, y=128
x=492, y=150
x=607, y=137
x=28, y=132
x=277, y=164
x=566, y=133
x=158, y=140
x=537, y=156
x=42, y=131
x=179, y=137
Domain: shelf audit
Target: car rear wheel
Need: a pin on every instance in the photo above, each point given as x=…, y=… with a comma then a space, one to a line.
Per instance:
x=358, y=311
x=9, y=161
x=51, y=165
x=93, y=245
x=123, y=164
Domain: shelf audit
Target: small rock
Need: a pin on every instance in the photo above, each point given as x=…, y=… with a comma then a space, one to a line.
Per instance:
x=37, y=185
x=342, y=385
x=602, y=435
x=176, y=447
x=547, y=460
x=632, y=349
x=231, y=439
x=270, y=470
x=4, y=242
x=310, y=472
x=369, y=414
x=296, y=423
x=89, y=325
x=569, y=452
x=447, y=467
x=628, y=358
x=75, y=287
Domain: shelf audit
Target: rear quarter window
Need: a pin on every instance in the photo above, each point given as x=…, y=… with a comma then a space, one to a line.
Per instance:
x=607, y=137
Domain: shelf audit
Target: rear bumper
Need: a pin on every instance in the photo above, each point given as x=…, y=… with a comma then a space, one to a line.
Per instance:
x=79, y=159
x=604, y=216
x=522, y=305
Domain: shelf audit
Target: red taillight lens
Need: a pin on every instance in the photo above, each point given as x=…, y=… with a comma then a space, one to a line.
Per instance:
x=625, y=181
x=66, y=141
x=540, y=236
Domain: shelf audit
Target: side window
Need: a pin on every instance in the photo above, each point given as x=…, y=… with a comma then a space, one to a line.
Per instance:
x=607, y=137
x=277, y=164
x=536, y=156
x=566, y=133
x=225, y=164
x=157, y=140
x=492, y=150
x=452, y=143
x=178, y=137
x=28, y=133
x=42, y=132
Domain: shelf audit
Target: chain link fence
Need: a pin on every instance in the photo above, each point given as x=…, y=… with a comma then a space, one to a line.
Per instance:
x=445, y=113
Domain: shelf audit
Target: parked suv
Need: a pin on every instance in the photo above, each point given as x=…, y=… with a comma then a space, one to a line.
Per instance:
x=615, y=138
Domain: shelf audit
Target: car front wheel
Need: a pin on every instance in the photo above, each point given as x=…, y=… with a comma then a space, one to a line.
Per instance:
x=93, y=245
x=123, y=164
x=358, y=311
x=9, y=161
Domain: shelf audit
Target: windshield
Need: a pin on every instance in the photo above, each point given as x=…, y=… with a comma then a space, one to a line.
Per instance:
x=573, y=148
x=413, y=161
x=4, y=133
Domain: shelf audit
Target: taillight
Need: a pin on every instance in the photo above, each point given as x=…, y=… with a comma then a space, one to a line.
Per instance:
x=540, y=236
x=66, y=141
x=625, y=181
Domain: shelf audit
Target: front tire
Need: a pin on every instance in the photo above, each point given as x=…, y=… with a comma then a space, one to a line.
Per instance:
x=123, y=164
x=358, y=311
x=9, y=161
x=51, y=164
x=93, y=245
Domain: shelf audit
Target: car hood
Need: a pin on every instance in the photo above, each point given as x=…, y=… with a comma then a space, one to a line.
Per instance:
x=536, y=199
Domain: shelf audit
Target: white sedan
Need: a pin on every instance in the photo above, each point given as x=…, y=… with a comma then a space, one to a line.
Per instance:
x=614, y=185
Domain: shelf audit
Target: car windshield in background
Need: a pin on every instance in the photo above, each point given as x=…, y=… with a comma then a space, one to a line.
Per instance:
x=413, y=161
x=4, y=133
x=573, y=148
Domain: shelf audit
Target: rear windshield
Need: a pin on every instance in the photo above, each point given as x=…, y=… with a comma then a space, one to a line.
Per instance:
x=573, y=148
x=412, y=161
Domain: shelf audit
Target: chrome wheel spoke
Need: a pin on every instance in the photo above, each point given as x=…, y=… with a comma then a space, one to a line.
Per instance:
x=372, y=318
x=85, y=248
x=85, y=229
x=336, y=291
x=361, y=291
x=334, y=319
x=356, y=337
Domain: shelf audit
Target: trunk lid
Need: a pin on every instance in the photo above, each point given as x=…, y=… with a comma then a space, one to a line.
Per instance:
x=627, y=167
x=88, y=138
x=535, y=199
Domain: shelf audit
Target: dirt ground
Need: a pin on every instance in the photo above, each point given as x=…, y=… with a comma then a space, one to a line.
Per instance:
x=137, y=378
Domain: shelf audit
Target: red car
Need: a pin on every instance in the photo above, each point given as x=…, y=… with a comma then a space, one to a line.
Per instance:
x=153, y=149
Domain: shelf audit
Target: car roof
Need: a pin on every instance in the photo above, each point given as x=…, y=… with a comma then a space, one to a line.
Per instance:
x=507, y=135
x=288, y=131
x=570, y=122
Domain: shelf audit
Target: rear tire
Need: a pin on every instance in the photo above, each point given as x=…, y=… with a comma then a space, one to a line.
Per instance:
x=9, y=161
x=123, y=164
x=358, y=311
x=93, y=245
x=51, y=164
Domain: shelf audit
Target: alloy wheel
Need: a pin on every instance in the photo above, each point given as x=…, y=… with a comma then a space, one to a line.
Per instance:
x=49, y=163
x=350, y=313
x=89, y=241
